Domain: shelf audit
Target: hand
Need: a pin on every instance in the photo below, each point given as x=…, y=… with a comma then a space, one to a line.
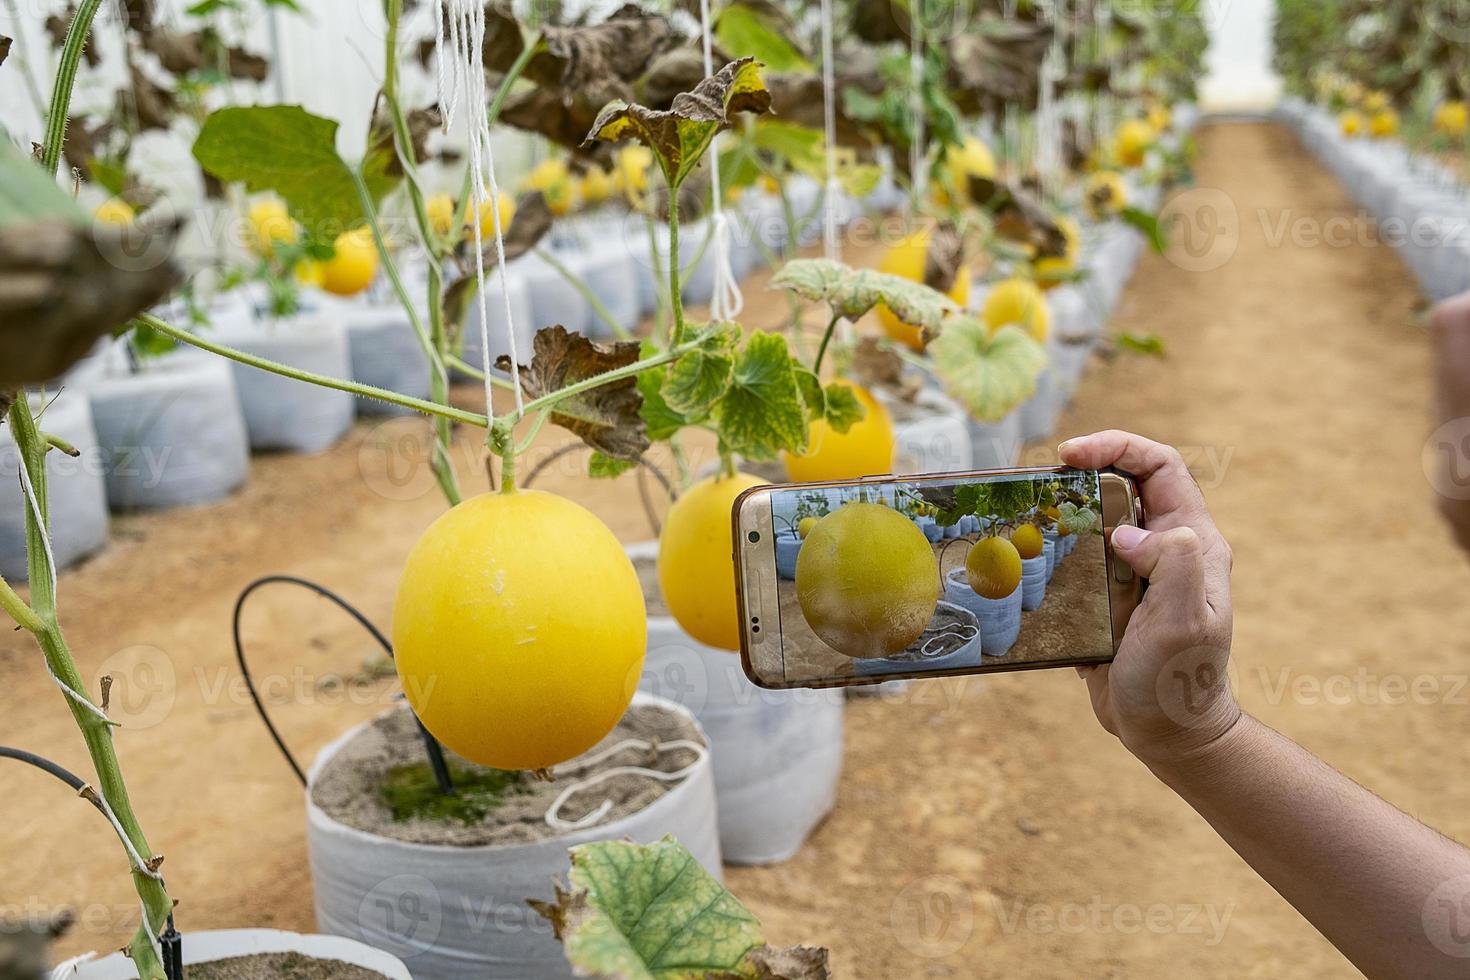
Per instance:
x=1451, y=331
x=1166, y=695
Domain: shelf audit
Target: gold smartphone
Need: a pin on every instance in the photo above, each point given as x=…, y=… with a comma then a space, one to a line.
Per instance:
x=863, y=581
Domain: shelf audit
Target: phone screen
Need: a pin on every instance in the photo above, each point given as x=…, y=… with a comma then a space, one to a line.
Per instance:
x=937, y=575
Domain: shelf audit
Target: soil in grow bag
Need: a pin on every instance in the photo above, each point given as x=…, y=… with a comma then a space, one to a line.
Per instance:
x=383, y=770
x=279, y=966
x=946, y=633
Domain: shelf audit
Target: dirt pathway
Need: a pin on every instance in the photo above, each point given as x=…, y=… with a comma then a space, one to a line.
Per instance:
x=986, y=829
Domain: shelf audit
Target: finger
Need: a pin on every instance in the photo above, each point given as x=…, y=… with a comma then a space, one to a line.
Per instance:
x=1172, y=561
x=1171, y=497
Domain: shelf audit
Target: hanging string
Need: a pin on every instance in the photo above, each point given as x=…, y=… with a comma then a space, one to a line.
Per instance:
x=831, y=245
x=1048, y=116
x=918, y=173
x=727, y=301
x=467, y=39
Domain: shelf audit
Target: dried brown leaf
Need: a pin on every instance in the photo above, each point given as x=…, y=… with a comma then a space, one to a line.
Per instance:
x=1019, y=215
x=946, y=253
x=5, y=44
x=795, y=963
x=606, y=417
x=63, y=285
x=997, y=62
x=875, y=366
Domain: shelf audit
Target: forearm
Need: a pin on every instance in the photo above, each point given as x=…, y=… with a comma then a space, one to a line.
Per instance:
x=1364, y=873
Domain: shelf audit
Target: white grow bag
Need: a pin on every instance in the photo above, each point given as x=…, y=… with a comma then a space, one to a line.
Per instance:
x=777, y=754
x=386, y=353
x=76, y=493
x=224, y=944
x=280, y=412
x=171, y=435
x=931, y=434
x=460, y=913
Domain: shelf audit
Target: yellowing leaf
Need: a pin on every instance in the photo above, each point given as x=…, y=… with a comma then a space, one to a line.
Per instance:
x=680, y=134
x=853, y=292
x=990, y=376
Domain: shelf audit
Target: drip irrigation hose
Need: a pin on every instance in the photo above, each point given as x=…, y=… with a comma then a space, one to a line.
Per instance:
x=432, y=747
x=171, y=941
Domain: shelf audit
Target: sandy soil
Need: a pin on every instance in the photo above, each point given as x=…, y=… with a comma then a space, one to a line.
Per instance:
x=985, y=829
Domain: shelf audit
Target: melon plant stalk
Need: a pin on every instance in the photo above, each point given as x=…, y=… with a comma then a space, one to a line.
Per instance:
x=39, y=618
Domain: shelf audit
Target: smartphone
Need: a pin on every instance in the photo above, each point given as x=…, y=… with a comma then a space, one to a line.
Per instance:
x=863, y=581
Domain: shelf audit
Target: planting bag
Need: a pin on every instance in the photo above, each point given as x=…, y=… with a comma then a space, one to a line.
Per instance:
x=1033, y=582
x=386, y=354
x=282, y=413
x=172, y=435
x=77, y=493
x=1000, y=619
x=460, y=913
x=520, y=311
x=777, y=754
x=995, y=445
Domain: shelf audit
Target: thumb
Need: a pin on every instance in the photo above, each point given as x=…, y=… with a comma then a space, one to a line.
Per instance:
x=1172, y=560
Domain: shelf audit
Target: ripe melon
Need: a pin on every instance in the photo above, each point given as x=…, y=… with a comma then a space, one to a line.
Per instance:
x=867, y=581
x=866, y=449
x=519, y=629
x=1452, y=119
x=1019, y=302
x=696, y=564
x=1028, y=541
x=1133, y=140
x=1351, y=123
x=1106, y=194
x=804, y=527
x=994, y=568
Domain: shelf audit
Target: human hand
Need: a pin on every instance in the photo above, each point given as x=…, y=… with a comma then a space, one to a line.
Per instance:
x=1166, y=696
x=1450, y=327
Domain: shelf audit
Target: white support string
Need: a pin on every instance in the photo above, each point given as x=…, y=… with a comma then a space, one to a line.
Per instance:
x=918, y=155
x=831, y=244
x=727, y=300
x=467, y=37
x=553, y=818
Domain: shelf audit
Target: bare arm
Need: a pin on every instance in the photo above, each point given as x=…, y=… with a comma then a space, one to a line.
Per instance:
x=1391, y=894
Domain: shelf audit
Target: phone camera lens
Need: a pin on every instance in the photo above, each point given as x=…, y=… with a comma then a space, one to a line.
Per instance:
x=755, y=629
x=753, y=537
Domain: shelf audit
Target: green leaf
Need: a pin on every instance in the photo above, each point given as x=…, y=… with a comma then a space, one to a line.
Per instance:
x=853, y=292
x=843, y=408
x=1149, y=224
x=649, y=912
x=810, y=386
x=604, y=467
x=1141, y=343
x=762, y=414
x=990, y=376
x=660, y=420
x=696, y=381
x=288, y=150
x=680, y=135
x=760, y=30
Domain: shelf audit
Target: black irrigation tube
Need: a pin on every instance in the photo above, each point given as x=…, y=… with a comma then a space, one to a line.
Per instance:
x=432, y=747
x=170, y=942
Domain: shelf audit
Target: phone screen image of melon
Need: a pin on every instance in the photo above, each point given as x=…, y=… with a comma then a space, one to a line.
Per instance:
x=912, y=577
